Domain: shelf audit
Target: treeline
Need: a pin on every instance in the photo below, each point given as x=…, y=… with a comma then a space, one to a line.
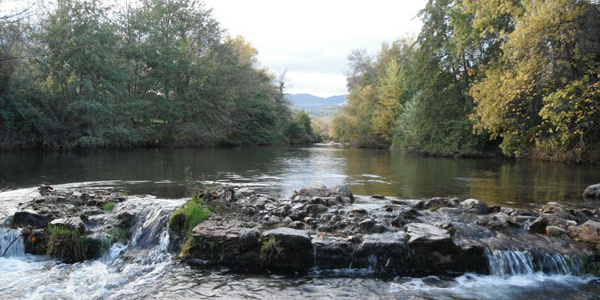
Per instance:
x=151, y=72
x=521, y=76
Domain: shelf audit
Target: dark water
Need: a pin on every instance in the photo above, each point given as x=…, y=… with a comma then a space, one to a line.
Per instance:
x=280, y=170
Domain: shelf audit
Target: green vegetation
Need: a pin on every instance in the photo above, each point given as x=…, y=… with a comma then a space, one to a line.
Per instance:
x=114, y=235
x=109, y=206
x=66, y=243
x=270, y=251
x=80, y=73
x=521, y=77
x=187, y=216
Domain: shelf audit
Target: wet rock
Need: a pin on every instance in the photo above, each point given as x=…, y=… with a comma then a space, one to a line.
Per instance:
x=249, y=238
x=296, y=250
x=589, y=232
x=315, y=209
x=45, y=189
x=555, y=231
x=385, y=252
x=426, y=234
x=296, y=225
x=474, y=206
x=125, y=220
x=538, y=226
x=343, y=192
x=333, y=252
x=381, y=197
x=365, y=225
x=592, y=192
x=24, y=219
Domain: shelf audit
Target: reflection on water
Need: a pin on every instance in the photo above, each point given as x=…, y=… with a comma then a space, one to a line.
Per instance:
x=280, y=170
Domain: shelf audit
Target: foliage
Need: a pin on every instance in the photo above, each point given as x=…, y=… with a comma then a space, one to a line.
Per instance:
x=66, y=243
x=109, y=206
x=270, y=251
x=522, y=74
x=113, y=235
x=187, y=216
x=83, y=74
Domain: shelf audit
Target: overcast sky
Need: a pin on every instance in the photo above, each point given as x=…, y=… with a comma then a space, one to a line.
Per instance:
x=312, y=38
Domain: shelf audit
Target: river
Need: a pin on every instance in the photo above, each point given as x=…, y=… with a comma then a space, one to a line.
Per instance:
x=159, y=177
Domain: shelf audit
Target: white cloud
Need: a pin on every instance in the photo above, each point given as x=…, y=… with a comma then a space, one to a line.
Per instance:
x=312, y=38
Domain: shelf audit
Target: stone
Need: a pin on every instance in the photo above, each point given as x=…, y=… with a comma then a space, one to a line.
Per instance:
x=538, y=226
x=24, y=219
x=297, y=250
x=422, y=233
x=365, y=225
x=314, y=190
x=380, y=197
x=474, y=206
x=589, y=232
x=555, y=231
x=296, y=225
x=592, y=192
x=125, y=220
x=249, y=238
x=343, y=191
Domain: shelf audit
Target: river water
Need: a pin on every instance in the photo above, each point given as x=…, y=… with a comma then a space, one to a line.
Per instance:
x=149, y=271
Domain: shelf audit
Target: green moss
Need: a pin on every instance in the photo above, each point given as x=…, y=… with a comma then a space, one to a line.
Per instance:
x=590, y=265
x=66, y=243
x=434, y=208
x=270, y=251
x=189, y=245
x=109, y=206
x=113, y=235
x=186, y=217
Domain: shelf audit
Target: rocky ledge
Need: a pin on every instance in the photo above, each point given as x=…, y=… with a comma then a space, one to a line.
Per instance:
x=72, y=225
x=326, y=228
x=318, y=228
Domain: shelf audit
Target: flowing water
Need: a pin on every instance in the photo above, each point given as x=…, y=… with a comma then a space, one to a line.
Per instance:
x=145, y=269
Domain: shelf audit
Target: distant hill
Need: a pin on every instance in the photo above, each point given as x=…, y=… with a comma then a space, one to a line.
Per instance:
x=310, y=102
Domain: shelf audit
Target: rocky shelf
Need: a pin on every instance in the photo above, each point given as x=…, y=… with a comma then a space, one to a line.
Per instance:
x=325, y=228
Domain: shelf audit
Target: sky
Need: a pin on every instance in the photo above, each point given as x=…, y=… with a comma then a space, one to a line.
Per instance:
x=310, y=40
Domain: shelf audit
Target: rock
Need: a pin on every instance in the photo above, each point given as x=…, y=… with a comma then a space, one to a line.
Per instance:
x=385, y=252
x=366, y=225
x=474, y=206
x=315, y=209
x=287, y=221
x=125, y=220
x=381, y=197
x=296, y=250
x=249, y=238
x=538, y=226
x=342, y=191
x=24, y=219
x=589, y=232
x=421, y=233
x=71, y=223
x=296, y=225
x=555, y=231
x=592, y=192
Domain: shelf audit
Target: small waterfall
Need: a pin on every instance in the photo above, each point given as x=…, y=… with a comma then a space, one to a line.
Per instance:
x=11, y=242
x=513, y=262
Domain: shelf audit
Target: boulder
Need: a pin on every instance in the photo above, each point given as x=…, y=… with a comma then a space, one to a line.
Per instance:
x=589, y=232
x=249, y=238
x=426, y=234
x=25, y=219
x=538, y=226
x=474, y=206
x=592, y=192
x=294, y=253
